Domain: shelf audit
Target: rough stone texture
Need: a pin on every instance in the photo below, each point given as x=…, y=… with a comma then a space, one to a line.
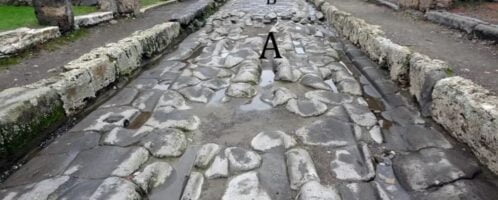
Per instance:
x=327, y=132
x=193, y=188
x=300, y=168
x=15, y=41
x=153, y=175
x=469, y=112
x=306, y=107
x=219, y=167
x=165, y=142
x=206, y=154
x=115, y=188
x=433, y=167
x=167, y=117
x=352, y=164
x=55, y=13
x=424, y=73
x=486, y=31
x=245, y=187
x=157, y=38
x=242, y=159
x=313, y=190
x=241, y=90
x=35, y=191
x=273, y=170
x=266, y=141
x=93, y=19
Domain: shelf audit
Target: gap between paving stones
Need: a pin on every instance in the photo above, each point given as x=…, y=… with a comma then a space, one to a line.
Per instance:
x=30, y=112
x=468, y=111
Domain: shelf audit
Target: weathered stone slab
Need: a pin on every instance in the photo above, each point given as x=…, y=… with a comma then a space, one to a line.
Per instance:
x=306, y=107
x=72, y=142
x=122, y=98
x=352, y=163
x=327, y=132
x=206, y=154
x=35, y=191
x=241, y=90
x=93, y=19
x=433, y=167
x=358, y=191
x=173, y=99
x=153, y=175
x=197, y=93
x=102, y=120
x=361, y=115
x=146, y=100
x=462, y=189
x=273, y=170
x=241, y=160
x=266, y=141
x=300, y=168
x=115, y=188
x=193, y=188
x=415, y=137
x=314, y=82
x=313, y=190
x=245, y=187
x=124, y=137
x=14, y=41
x=219, y=167
x=167, y=117
x=329, y=97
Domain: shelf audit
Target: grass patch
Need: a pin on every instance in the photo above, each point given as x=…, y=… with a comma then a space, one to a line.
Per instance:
x=144, y=3
x=12, y=17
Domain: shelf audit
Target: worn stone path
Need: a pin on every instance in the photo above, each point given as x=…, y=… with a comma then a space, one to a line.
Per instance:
x=47, y=63
x=213, y=121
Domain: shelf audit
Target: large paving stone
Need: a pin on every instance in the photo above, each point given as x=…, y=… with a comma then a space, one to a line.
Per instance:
x=280, y=96
x=327, y=132
x=266, y=141
x=329, y=97
x=241, y=90
x=462, y=189
x=219, y=167
x=352, y=164
x=36, y=191
x=433, y=167
x=313, y=190
x=300, y=168
x=72, y=142
x=197, y=93
x=115, y=188
x=415, y=137
x=167, y=117
x=206, y=154
x=123, y=98
x=314, y=81
x=165, y=142
x=358, y=191
x=361, y=115
x=147, y=100
x=306, y=107
x=245, y=187
x=103, y=120
x=242, y=160
x=173, y=99
x=193, y=189
x=153, y=175
x=124, y=137
x=184, y=81
x=273, y=170
x=106, y=161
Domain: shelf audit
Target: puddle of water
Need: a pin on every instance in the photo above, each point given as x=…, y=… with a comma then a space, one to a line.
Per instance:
x=140, y=120
x=332, y=85
x=267, y=77
x=255, y=104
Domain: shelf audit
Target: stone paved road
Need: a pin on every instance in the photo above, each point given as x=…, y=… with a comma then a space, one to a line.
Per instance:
x=212, y=121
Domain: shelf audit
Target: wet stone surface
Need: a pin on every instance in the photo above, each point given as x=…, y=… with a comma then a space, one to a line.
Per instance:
x=211, y=120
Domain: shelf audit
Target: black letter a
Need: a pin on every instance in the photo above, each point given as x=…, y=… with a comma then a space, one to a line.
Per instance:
x=274, y=2
x=274, y=42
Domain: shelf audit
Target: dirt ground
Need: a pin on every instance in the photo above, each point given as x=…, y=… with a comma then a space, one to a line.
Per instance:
x=486, y=11
x=472, y=59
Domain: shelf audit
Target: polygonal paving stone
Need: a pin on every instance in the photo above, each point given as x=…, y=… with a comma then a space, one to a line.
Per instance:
x=300, y=168
x=415, y=137
x=313, y=190
x=242, y=159
x=249, y=72
x=36, y=191
x=205, y=73
x=173, y=99
x=115, y=188
x=361, y=115
x=433, y=167
x=184, y=81
x=105, y=161
x=193, y=189
x=153, y=175
x=278, y=96
x=125, y=137
x=165, y=142
x=241, y=90
x=314, y=81
x=143, y=84
x=268, y=140
x=462, y=189
x=216, y=84
x=219, y=167
x=206, y=154
x=146, y=100
x=197, y=94
x=327, y=132
x=273, y=170
x=167, y=117
x=122, y=98
x=358, y=191
x=350, y=87
x=285, y=72
x=339, y=113
x=329, y=97
x=352, y=164
x=306, y=107
x=72, y=142
x=103, y=120
x=164, y=71
x=401, y=115
x=245, y=187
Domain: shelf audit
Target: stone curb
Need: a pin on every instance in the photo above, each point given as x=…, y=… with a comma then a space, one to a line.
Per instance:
x=470, y=25
x=465, y=109
x=14, y=41
x=28, y=112
x=147, y=8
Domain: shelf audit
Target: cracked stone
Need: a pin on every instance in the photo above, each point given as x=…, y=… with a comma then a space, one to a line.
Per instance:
x=327, y=132
x=306, y=107
x=197, y=94
x=241, y=159
x=245, y=187
x=153, y=175
x=300, y=168
x=165, y=142
x=352, y=164
x=433, y=167
x=266, y=141
x=313, y=190
x=167, y=117
x=206, y=154
x=241, y=90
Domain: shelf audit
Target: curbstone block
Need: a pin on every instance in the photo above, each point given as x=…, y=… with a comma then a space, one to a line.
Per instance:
x=470, y=113
x=12, y=42
x=157, y=38
x=453, y=20
x=485, y=31
x=424, y=73
x=74, y=88
x=93, y=19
